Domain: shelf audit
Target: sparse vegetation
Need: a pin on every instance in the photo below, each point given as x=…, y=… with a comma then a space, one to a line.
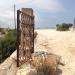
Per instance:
x=63, y=27
x=7, y=44
x=45, y=63
x=44, y=69
x=2, y=31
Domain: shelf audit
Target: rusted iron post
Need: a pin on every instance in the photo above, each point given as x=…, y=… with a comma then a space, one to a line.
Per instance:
x=33, y=36
x=17, y=38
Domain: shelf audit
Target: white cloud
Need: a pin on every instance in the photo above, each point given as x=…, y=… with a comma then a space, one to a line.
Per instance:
x=6, y=12
x=6, y=8
x=47, y=5
x=23, y=1
x=53, y=6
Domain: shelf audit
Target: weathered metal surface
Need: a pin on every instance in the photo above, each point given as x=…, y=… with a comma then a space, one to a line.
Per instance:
x=25, y=35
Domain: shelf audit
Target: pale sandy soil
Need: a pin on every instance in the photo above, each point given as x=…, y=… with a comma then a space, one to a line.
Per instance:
x=61, y=43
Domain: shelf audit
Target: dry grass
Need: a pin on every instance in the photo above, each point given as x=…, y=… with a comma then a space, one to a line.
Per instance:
x=46, y=65
x=45, y=69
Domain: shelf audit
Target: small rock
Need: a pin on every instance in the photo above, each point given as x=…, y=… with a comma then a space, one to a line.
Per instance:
x=26, y=70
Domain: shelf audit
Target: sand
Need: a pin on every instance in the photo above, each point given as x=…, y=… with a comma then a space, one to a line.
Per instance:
x=61, y=43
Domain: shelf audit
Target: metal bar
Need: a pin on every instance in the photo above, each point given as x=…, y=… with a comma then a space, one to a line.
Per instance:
x=33, y=35
x=18, y=13
x=27, y=14
x=26, y=24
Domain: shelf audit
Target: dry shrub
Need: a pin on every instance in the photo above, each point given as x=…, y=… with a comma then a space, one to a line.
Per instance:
x=45, y=69
x=46, y=65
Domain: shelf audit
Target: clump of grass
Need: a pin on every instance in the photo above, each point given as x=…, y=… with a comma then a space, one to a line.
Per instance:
x=45, y=63
x=45, y=69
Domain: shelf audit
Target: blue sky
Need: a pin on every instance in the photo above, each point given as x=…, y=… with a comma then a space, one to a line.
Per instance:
x=47, y=13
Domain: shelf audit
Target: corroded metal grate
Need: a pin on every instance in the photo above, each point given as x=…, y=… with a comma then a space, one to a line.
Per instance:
x=25, y=35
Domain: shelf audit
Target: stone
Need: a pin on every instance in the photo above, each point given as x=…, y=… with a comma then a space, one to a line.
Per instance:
x=26, y=69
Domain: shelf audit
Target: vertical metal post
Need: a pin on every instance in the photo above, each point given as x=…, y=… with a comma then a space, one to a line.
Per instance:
x=33, y=34
x=14, y=17
x=18, y=24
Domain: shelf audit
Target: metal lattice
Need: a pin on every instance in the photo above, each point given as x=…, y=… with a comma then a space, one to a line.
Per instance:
x=25, y=35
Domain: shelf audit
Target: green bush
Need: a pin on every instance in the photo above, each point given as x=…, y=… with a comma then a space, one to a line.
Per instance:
x=2, y=31
x=63, y=27
x=7, y=44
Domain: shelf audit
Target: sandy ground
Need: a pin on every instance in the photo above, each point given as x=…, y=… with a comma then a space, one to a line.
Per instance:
x=61, y=43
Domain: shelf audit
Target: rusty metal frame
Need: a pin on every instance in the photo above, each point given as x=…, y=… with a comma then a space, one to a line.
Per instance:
x=18, y=32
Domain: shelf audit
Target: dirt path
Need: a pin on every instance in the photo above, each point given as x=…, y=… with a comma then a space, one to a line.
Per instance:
x=60, y=43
